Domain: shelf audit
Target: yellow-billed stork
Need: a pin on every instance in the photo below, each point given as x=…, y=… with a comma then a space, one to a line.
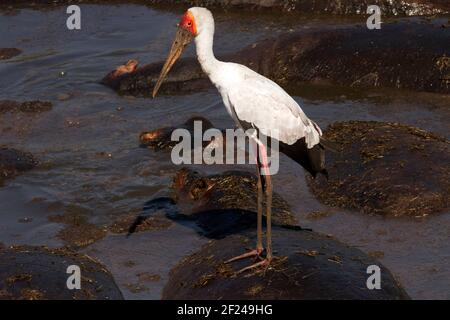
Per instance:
x=253, y=101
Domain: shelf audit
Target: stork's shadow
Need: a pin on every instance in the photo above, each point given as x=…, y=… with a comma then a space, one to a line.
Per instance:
x=212, y=224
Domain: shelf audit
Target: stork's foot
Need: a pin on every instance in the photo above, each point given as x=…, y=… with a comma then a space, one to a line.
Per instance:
x=253, y=253
x=263, y=263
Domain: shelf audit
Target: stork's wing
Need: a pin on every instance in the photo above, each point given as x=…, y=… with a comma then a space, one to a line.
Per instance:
x=264, y=104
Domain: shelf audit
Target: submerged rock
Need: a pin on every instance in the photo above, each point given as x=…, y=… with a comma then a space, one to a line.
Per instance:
x=78, y=231
x=39, y=273
x=8, y=53
x=34, y=106
x=195, y=193
x=14, y=162
x=160, y=139
x=114, y=77
x=386, y=168
x=348, y=56
x=308, y=266
x=214, y=205
x=154, y=216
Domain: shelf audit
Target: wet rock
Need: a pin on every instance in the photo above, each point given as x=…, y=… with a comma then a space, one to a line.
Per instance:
x=14, y=162
x=349, y=56
x=114, y=77
x=34, y=106
x=8, y=53
x=148, y=221
x=160, y=139
x=386, y=168
x=388, y=7
x=308, y=266
x=37, y=273
x=78, y=232
x=156, y=215
x=215, y=205
x=231, y=190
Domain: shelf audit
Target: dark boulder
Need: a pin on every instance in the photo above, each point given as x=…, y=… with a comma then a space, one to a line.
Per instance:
x=39, y=273
x=386, y=168
x=403, y=55
x=196, y=193
x=161, y=138
x=214, y=205
x=308, y=266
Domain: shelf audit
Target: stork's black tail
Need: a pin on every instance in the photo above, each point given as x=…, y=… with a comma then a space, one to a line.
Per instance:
x=313, y=159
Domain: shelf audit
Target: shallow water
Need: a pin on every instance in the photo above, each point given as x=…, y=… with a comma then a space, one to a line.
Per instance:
x=91, y=162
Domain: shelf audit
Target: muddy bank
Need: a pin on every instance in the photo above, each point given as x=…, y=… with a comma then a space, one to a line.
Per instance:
x=401, y=55
x=14, y=162
x=33, y=106
x=39, y=273
x=308, y=266
x=8, y=53
x=405, y=7
x=386, y=168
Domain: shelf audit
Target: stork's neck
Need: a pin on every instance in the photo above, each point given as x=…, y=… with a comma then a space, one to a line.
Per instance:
x=204, y=46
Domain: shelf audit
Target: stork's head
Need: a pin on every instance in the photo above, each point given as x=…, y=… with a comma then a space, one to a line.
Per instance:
x=193, y=22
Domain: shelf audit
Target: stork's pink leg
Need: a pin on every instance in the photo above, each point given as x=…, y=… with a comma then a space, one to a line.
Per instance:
x=265, y=166
x=259, y=247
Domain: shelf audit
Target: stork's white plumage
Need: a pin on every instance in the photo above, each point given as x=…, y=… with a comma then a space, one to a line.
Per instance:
x=252, y=97
x=252, y=100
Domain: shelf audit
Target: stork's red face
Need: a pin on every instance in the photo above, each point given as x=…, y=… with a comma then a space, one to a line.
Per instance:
x=187, y=30
x=187, y=22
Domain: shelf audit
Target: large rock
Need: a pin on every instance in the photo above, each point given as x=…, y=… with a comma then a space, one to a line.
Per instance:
x=308, y=266
x=14, y=162
x=386, y=168
x=231, y=190
x=214, y=205
x=401, y=55
x=37, y=273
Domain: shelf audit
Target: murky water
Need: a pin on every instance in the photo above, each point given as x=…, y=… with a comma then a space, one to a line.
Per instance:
x=91, y=162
